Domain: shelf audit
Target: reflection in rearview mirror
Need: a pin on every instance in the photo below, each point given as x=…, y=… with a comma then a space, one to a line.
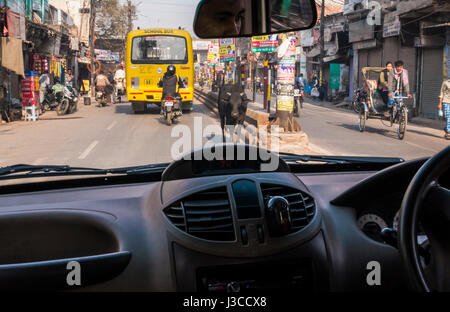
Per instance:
x=240, y=18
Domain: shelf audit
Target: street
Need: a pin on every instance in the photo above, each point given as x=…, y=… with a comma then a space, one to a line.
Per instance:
x=107, y=137
x=114, y=136
x=335, y=131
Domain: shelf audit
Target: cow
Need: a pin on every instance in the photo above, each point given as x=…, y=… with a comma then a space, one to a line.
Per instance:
x=232, y=106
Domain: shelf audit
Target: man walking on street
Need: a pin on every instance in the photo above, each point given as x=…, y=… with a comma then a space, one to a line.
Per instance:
x=444, y=105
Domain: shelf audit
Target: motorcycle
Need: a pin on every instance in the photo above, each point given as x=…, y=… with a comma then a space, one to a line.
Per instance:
x=171, y=109
x=298, y=100
x=70, y=97
x=120, y=89
x=101, y=96
x=51, y=101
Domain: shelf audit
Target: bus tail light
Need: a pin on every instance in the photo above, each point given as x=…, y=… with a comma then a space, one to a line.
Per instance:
x=186, y=82
x=135, y=83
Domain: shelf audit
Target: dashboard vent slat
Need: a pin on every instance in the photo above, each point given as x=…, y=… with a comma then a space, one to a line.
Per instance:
x=302, y=206
x=205, y=215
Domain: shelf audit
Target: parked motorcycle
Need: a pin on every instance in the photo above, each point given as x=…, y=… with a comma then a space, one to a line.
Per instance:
x=298, y=100
x=70, y=96
x=171, y=109
x=51, y=101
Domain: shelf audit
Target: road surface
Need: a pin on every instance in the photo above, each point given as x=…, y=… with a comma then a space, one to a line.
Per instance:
x=335, y=132
x=114, y=136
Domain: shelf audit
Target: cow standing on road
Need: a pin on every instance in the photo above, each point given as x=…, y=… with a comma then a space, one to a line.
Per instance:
x=232, y=106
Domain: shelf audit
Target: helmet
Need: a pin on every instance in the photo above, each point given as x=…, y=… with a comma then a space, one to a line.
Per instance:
x=171, y=70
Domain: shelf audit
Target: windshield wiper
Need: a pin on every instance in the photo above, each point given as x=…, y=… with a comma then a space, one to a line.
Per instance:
x=31, y=171
x=292, y=158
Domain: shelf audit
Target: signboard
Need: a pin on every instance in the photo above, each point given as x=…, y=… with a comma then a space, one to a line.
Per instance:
x=200, y=44
x=360, y=31
x=227, y=50
x=307, y=38
x=286, y=70
x=285, y=103
x=391, y=29
x=265, y=43
x=213, y=55
x=107, y=57
x=365, y=44
x=335, y=76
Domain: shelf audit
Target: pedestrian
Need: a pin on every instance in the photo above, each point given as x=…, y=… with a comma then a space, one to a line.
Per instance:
x=44, y=82
x=444, y=105
x=324, y=91
x=398, y=84
x=69, y=78
x=383, y=87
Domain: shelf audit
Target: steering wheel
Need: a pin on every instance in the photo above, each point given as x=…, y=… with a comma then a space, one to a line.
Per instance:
x=427, y=202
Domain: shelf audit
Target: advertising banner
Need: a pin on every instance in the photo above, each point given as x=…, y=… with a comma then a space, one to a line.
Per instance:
x=227, y=50
x=107, y=57
x=335, y=76
x=213, y=55
x=286, y=70
x=265, y=43
x=200, y=44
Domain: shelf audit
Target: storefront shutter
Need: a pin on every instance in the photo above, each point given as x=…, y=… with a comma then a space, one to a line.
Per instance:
x=431, y=81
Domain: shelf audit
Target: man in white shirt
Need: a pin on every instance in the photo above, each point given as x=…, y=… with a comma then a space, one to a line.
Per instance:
x=120, y=74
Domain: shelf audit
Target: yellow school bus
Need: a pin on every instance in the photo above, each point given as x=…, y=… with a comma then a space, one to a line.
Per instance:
x=149, y=52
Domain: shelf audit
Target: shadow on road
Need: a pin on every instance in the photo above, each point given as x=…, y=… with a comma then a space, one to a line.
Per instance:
x=126, y=109
x=426, y=133
x=61, y=118
x=391, y=133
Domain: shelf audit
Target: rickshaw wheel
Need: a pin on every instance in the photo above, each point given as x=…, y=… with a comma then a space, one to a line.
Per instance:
x=362, y=120
x=402, y=121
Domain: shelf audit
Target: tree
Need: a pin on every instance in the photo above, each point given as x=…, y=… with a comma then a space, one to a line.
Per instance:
x=110, y=21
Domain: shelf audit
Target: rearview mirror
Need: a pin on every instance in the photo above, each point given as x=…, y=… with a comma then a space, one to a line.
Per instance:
x=244, y=18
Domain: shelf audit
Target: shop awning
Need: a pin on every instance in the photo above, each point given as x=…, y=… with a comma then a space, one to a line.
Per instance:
x=12, y=55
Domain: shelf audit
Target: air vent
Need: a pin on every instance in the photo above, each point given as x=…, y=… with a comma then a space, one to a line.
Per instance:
x=205, y=215
x=301, y=205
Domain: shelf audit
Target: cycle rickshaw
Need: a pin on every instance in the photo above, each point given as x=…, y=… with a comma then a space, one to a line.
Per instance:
x=373, y=106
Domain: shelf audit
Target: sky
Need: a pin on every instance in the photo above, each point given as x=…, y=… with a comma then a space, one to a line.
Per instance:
x=165, y=13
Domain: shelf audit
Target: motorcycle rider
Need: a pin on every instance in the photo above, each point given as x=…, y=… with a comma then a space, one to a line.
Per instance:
x=57, y=88
x=119, y=78
x=101, y=81
x=170, y=84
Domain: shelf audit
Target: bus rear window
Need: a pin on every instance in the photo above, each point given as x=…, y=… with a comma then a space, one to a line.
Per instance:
x=159, y=50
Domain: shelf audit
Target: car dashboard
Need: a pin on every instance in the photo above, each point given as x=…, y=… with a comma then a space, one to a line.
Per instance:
x=209, y=234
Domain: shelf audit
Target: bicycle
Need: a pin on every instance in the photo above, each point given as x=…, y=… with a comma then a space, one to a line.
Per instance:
x=359, y=95
x=399, y=115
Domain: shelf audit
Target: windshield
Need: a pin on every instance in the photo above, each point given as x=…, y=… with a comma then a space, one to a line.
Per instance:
x=159, y=49
x=366, y=84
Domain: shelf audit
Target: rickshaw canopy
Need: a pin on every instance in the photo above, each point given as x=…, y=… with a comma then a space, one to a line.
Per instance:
x=364, y=70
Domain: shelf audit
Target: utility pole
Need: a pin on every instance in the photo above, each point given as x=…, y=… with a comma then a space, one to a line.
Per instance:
x=322, y=41
x=92, y=45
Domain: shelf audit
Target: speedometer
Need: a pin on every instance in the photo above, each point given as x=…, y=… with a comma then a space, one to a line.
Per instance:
x=372, y=225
